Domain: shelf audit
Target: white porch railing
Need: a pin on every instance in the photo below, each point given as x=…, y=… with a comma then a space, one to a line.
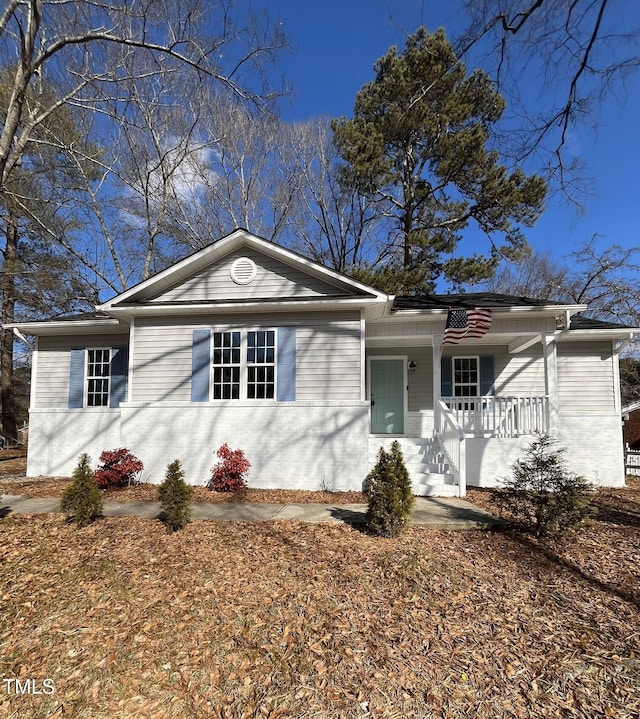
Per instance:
x=451, y=437
x=500, y=416
x=632, y=461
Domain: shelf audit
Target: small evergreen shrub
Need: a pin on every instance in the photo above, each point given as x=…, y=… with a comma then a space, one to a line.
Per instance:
x=388, y=491
x=119, y=468
x=542, y=495
x=175, y=497
x=229, y=474
x=81, y=499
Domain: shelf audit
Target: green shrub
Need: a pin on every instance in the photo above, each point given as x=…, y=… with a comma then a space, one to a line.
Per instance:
x=542, y=495
x=388, y=490
x=175, y=497
x=81, y=499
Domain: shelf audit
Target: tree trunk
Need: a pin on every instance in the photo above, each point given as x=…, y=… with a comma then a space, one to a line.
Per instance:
x=8, y=290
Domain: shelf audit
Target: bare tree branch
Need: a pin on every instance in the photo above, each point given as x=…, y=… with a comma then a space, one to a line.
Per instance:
x=573, y=53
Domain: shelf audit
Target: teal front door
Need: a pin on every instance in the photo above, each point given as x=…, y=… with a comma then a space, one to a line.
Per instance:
x=387, y=396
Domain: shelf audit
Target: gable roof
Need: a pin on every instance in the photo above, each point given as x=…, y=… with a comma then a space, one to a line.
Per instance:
x=187, y=287
x=167, y=288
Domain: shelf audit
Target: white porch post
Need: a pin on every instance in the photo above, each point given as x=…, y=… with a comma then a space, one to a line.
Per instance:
x=551, y=381
x=437, y=346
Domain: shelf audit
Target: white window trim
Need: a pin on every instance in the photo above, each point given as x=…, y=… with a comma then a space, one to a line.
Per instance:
x=109, y=350
x=455, y=384
x=244, y=364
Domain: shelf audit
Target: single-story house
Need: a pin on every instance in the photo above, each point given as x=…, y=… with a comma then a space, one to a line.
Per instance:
x=309, y=372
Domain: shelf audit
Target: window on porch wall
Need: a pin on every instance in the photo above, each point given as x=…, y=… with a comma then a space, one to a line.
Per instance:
x=467, y=385
x=466, y=379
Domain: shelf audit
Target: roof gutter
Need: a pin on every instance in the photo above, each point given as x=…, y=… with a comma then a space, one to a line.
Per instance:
x=234, y=307
x=623, y=344
x=61, y=326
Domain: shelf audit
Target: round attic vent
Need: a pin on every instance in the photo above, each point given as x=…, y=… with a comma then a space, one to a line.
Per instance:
x=243, y=271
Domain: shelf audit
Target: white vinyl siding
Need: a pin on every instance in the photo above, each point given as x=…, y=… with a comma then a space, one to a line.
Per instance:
x=585, y=377
x=518, y=375
x=273, y=279
x=52, y=367
x=327, y=353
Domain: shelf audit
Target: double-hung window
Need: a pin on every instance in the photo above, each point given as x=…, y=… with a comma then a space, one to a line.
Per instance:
x=466, y=380
x=98, y=376
x=226, y=365
x=244, y=364
x=261, y=364
x=465, y=377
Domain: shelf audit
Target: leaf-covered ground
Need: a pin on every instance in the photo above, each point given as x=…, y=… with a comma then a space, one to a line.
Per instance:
x=283, y=619
x=53, y=487
x=13, y=481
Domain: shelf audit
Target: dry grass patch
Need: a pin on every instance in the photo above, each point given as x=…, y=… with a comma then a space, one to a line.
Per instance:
x=283, y=619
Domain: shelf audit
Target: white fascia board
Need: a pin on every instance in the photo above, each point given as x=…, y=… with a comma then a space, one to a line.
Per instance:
x=68, y=327
x=623, y=333
x=240, y=238
x=376, y=311
x=631, y=407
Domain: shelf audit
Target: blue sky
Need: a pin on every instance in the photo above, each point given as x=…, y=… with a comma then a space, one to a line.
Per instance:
x=336, y=43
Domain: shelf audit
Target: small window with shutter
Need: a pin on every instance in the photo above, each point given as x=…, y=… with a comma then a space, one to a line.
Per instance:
x=98, y=373
x=97, y=377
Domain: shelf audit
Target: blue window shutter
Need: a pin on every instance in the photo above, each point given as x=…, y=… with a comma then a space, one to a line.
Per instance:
x=119, y=371
x=486, y=375
x=76, y=378
x=446, y=377
x=200, y=365
x=286, y=359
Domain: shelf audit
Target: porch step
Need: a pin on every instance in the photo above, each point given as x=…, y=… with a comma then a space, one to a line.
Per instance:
x=425, y=462
x=436, y=490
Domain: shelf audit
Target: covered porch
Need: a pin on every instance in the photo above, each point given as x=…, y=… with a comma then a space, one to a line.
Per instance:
x=493, y=391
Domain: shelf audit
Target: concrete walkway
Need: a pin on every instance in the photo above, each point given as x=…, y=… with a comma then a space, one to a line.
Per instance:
x=432, y=512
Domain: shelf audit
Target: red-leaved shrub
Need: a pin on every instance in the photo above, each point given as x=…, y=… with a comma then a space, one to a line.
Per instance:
x=228, y=474
x=118, y=468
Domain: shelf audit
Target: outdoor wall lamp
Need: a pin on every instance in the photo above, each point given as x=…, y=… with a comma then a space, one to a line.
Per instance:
x=412, y=366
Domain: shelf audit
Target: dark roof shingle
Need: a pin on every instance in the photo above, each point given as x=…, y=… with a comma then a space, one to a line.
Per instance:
x=468, y=300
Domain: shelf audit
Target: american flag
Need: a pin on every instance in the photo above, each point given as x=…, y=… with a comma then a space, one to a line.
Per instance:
x=462, y=324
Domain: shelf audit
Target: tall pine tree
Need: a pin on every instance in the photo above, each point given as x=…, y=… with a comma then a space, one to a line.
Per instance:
x=418, y=144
